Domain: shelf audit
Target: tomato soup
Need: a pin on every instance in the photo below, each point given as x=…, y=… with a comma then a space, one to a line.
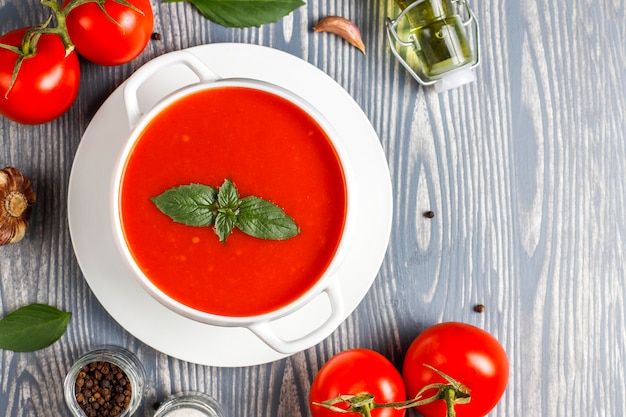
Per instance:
x=268, y=147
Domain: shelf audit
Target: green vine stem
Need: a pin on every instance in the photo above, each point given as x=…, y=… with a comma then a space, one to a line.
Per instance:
x=61, y=27
x=76, y=3
x=452, y=393
x=28, y=48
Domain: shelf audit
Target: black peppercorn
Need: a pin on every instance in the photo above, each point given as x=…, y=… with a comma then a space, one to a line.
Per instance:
x=479, y=308
x=94, y=387
x=429, y=214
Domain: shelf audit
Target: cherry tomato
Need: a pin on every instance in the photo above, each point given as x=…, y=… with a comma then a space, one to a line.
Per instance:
x=46, y=84
x=464, y=352
x=357, y=371
x=104, y=42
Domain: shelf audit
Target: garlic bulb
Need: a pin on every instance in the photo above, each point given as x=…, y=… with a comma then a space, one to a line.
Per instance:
x=16, y=200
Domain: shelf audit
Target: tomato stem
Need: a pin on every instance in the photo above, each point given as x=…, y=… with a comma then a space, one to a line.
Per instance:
x=449, y=396
x=61, y=27
x=452, y=392
x=28, y=48
x=76, y=3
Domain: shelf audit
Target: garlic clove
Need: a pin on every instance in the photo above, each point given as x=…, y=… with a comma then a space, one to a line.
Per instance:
x=16, y=200
x=342, y=27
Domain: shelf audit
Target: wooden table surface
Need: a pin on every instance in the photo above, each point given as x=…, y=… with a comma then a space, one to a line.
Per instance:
x=525, y=170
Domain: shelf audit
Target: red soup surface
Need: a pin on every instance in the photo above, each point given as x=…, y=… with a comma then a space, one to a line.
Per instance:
x=269, y=148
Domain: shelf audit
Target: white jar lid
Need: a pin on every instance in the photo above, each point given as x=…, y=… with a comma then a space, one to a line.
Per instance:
x=454, y=79
x=189, y=405
x=186, y=412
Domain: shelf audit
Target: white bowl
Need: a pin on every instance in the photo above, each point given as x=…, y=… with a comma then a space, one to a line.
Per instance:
x=259, y=324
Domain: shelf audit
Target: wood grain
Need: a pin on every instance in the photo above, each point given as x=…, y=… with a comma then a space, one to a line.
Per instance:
x=525, y=170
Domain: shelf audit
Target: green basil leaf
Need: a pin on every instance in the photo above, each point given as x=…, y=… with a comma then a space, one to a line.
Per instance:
x=228, y=196
x=32, y=327
x=201, y=205
x=244, y=13
x=263, y=219
x=193, y=204
x=224, y=224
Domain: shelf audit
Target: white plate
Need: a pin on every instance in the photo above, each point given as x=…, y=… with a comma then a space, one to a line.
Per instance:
x=90, y=216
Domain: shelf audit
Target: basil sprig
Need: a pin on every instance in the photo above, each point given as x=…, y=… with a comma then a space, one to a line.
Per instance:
x=244, y=13
x=203, y=206
x=32, y=327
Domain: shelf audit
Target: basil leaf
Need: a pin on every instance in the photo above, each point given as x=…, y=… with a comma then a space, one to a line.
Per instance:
x=224, y=224
x=193, y=204
x=32, y=328
x=263, y=219
x=244, y=13
x=228, y=196
x=201, y=205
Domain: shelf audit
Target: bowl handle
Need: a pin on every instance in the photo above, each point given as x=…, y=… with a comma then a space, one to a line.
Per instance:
x=131, y=88
x=264, y=331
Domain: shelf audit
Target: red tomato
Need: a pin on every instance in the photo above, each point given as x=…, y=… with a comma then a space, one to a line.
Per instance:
x=358, y=371
x=104, y=42
x=46, y=84
x=466, y=353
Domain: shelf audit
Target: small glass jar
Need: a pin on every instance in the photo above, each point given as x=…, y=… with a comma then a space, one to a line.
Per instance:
x=83, y=378
x=189, y=405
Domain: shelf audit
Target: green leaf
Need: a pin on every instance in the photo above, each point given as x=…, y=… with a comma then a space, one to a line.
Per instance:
x=201, y=205
x=193, y=204
x=228, y=196
x=244, y=13
x=263, y=219
x=224, y=224
x=32, y=327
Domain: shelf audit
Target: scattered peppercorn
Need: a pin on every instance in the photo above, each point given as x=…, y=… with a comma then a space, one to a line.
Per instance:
x=102, y=389
x=479, y=308
x=429, y=214
x=156, y=36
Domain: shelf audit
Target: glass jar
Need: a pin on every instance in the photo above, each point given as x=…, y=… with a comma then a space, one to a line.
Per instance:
x=95, y=380
x=189, y=405
x=435, y=31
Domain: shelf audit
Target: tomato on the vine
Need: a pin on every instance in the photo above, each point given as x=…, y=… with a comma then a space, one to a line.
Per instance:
x=357, y=371
x=469, y=355
x=114, y=39
x=46, y=84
